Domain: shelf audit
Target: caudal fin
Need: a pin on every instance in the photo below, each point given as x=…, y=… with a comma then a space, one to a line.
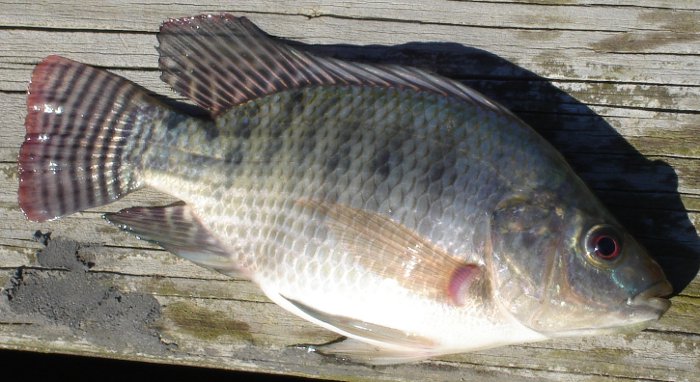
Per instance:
x=85, y=132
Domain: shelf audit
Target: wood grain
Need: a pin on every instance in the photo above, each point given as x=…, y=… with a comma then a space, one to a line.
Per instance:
x=614, y=85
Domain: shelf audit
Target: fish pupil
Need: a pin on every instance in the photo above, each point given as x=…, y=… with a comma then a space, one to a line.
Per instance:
x=606, y=247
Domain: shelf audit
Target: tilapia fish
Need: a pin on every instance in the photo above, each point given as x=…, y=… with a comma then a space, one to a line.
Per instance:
x=398, y=208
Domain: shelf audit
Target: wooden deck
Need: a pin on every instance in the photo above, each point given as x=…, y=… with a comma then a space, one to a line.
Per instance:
x=614, y=85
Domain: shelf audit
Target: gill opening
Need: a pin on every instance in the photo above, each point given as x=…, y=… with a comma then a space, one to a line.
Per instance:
x=552, y=280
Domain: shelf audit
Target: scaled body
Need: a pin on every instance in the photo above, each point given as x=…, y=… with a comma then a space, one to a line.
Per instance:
x=407, y=156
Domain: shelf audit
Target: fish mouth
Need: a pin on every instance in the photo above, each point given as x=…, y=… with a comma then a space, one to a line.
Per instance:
x=653, y=298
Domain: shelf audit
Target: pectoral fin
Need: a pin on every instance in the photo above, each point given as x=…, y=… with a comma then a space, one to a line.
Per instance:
x=394, y=251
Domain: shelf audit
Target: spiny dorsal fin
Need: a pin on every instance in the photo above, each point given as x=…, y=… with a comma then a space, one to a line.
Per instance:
x=221, y=60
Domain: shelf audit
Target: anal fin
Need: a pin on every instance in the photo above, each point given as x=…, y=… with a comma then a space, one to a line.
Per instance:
x=177, y=229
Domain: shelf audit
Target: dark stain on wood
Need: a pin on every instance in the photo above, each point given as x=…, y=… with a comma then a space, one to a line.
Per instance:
x=206, y=324
x=65, y=293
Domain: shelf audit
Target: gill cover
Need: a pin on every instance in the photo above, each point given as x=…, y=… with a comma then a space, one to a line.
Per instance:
x=526, y=259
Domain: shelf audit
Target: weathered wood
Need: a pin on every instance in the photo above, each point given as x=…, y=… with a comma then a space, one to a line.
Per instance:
x=614, y=85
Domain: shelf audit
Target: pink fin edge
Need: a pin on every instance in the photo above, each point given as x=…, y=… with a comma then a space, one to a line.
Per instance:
x=40, y=76
x=28, y=181
x=187, y=20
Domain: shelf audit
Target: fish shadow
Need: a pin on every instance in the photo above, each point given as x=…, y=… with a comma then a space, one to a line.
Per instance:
x=641, y=193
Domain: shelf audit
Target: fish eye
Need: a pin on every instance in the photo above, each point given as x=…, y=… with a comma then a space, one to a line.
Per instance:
x=603, y=245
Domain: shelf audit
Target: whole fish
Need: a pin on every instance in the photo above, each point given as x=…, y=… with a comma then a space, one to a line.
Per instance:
x=398, y=208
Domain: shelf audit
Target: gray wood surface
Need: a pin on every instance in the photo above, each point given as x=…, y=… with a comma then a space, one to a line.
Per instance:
x=614, y=85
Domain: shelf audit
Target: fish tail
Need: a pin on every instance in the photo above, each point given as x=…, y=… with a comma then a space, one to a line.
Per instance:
x=86, y=132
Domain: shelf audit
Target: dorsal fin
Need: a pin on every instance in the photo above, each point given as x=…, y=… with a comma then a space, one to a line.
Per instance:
x=221, y=60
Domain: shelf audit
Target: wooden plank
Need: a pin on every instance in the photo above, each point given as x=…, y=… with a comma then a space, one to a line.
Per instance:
x=662, y=16
x=588, y=55
x=614, y=85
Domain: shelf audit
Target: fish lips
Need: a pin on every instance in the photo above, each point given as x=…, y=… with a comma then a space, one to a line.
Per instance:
x=638, y=312
x=652, y=299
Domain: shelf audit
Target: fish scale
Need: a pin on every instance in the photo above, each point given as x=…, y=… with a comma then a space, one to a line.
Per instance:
x=395, y=207
x=295, y=173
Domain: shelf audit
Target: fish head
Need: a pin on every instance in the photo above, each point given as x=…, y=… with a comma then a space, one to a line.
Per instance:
x=571, y=270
